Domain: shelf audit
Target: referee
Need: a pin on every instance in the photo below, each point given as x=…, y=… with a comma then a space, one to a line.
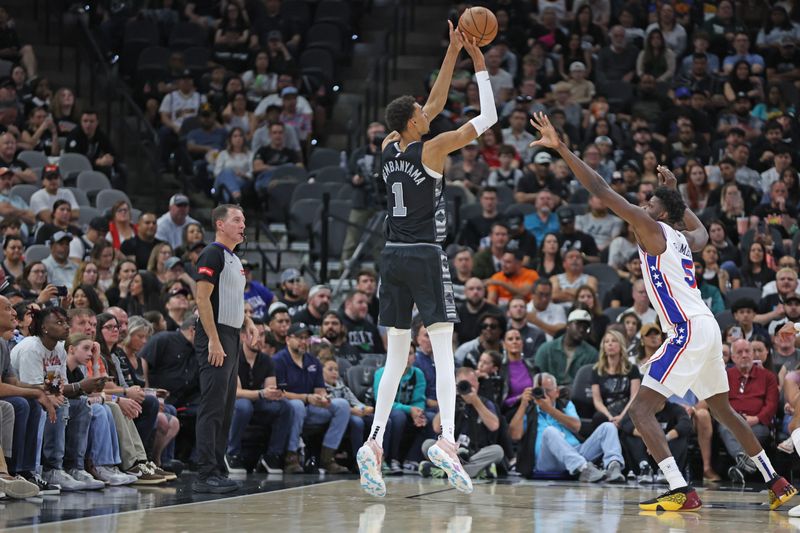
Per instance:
x=220, y=303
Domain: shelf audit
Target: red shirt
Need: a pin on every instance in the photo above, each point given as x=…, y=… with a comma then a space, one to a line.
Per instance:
x=760, y=396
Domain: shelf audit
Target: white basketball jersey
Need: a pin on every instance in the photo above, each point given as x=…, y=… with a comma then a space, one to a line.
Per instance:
x=670, y=282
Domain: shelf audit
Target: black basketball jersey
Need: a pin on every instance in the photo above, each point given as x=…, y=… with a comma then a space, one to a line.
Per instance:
x=416, y=208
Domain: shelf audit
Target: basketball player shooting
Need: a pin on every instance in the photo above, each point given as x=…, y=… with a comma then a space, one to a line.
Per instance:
x=414, y=267
x=691, y=357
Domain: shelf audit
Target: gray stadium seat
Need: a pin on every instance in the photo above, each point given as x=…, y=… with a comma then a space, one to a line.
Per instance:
x=36, y=252
x=306, y=190
x=186, y=34
x=290, y=172
x=360, y=379
x=91, y=181
x=33, y=159
x=519, y=209
x=331, y=174
x=613, y=313
x=320, y=62
x=337, y=228
x=724, y=319
x=303, y=214
x=108, y=197
x=80, y=197
x=72, y=164
x=152, y=62
x=323, y=157
x=87, y=214
x=25, y=191
x=743, y=292
x=328, y=36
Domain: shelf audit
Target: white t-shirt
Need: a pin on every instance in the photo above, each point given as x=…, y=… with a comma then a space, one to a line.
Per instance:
x=603, y=229
x=303, y=107
x=170, y=232
x=42, y=200
x=30, y=360
x=499, y=81
x=180, y=106
x=553, y=314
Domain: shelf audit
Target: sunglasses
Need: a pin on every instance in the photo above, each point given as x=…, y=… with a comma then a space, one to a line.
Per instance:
x=490, y=326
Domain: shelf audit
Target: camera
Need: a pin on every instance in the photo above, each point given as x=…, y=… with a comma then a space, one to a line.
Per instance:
x=378, y=139
x=538, y=393
x=61, y=291
x=463, y=387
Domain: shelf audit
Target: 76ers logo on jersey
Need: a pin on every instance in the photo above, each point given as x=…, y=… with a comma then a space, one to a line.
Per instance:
x=688, y=269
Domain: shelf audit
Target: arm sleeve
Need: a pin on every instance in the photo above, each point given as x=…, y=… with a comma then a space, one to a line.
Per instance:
x=210, y=264
x=488, y=115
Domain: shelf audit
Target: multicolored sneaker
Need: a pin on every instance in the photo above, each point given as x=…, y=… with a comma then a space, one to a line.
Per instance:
x=444, y=454
x=681, y=499
x=780, y=491
x=368, y=459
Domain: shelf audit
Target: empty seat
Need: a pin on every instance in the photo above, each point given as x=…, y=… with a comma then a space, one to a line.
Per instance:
x=91, y=181
x=80, y=197
x=153, y=61
x=734, y=295
x=290, y=172
x=197, y=59
x=298, y=12
x=36, y=252
x=331, y=174
x=339, y=211
x=327, y=36
x=108, y=197
x=319, y=62
x=72, y=164
x=334, y=12
x=186, y=34
x=307, y=190
x=33, y=159
x=323, y=157
x=87, y=214
x=303, y=213
x=25, y=191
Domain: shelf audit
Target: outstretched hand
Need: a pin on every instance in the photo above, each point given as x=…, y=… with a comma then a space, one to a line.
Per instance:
x=474, y=51
x=456, y=37
x=666, y=178
x=548, y=135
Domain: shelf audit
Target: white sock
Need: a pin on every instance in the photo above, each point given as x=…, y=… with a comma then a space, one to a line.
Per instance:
x=396, y=361
x=764, y=466
x=796, y=440
x=441, y=335
x=673, y=474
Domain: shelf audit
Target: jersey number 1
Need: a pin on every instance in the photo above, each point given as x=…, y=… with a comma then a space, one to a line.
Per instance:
x=399, y=210
x=688, y=269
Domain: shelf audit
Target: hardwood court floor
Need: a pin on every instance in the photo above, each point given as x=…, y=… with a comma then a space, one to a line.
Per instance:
x=418, y=505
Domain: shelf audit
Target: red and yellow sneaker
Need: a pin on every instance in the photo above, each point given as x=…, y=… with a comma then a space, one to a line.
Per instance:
x=780, y=492
x=681, y=499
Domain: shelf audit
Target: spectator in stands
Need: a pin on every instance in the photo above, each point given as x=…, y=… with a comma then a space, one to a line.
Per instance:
x=477, y=420
x=12, y=205
x=651, y=339
x=552, y=356
x=64, y=111
x=471, y=309
x=517, y=371
x=12, y=49
x=86, y=297
x=549, y=261
x=204, y=142
x=93, y=142
x=546, y=426
x=492, y=327
x=139, y=247
x=193, y=237
x=617, y=61
x=543, y=312
x=615, y=382
x=12, y=263
x=177, y=106
x=80, y=248
x=159, y=263
x=513, y=280
x=305, y=390
x=543, y=220
x=60, y=219
x=362, y=333
x=516, y=135
x=581, y=89
x=673, y=32
x=753, y=394
x=587, y=298
x=33, y=283
x=41, y=359
x=8, y=159
x=784, y=358
x=771, y=306
x=260, y=81
x=470, y=171
x=754, y=271
x=168, y=363
x=723, y=26
x=232, y=37
x=43, y=201
x=176, y=306
x=599, y=223
x=571, y=238
x=424, y=361
x=294, y=115
x=621, y=293
x=291, y=287
x=257, y=392
x=364, y=166
x=782, y=66
x=40, y=133
x=408, y=414
x=507, y=174
x=742, y=83
x=272, y=156
x=709, y=292
x=777, y=27
x=60, y=270
x=170, y=225
x=256, y=294
x=490, y=259
x=143, y=294
x=532, y=337
x=333, y=331
x=121, y=280
x=565, y=285
x=318, y=303
x=641, y=303
x=476, y=229
x=233, y=169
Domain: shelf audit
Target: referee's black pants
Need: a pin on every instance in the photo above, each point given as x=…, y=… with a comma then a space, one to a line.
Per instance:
x=217, y=400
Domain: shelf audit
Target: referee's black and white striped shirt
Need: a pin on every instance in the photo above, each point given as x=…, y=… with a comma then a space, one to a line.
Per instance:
x=221, y=267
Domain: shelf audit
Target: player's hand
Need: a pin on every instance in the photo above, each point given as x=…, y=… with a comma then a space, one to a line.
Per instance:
x=666, y=178
x=474, y=51
x=787, y=332
x=392, y=137
x=216, y=355
x=549, y=136
x=456, y=37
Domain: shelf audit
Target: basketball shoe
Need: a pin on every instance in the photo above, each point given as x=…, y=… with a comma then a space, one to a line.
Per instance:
x=444, y=454
x=780, y=491
x=680, y=499
x=369, y=458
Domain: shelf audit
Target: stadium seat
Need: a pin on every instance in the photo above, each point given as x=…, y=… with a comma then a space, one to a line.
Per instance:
x=327, y=36
x=80, y=197
x=87, y=214
x=724, y=319
x=346, y=192
x=453, y=192
x=331, y=174
x=333, y=189
x=579, y=209
x=138, y=35
x=197, y=59
x=319, y=62
x=337, y=228
x=373, y=359
x=279, y=199
x=581, y=396
x=186, y=34
x=344, y=366
x=25, y=191
x=304, y=213
x=519, y=209
x=323, y=157
x=36, y=252
x=360, y=380
x=505, y=197
x=468, y=211
x=298, y=12
x=108, y=197
x=33, y=159
x=72, y=164
x=604, y=273
x=153, y=62
x=307, y=190
x=91, y=182
x=334, y=12
x=292, y=172
x=613, y=312
x=5, y=67
x=743, y=292
x=618, y=93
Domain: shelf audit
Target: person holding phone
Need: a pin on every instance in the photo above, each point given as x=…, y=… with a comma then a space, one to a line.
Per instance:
x=744, y=312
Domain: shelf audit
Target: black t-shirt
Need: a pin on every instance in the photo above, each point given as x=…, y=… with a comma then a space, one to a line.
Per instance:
x=305, y=316
x=525, y=241
x=622, y=291
x=781, y=63
x=348, y=352
x=578, y=241
x=140, y=250
x=475, y=229
x=133, y=376
x=363, y=335
x=468, y=329
x=274, y=158
x=171, y=365
x=14, y=164
x=616, y=389
x=252, y=378
x=293, y=307
x=46, y=231
x=529, y=183
x=222, y=268
x=98, y=146
x=773, y=216
x=74, y=376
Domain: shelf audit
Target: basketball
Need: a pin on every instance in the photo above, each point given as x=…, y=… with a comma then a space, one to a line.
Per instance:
x=478, y=23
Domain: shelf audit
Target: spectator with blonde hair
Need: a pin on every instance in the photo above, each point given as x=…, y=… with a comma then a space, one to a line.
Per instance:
x=615, y=381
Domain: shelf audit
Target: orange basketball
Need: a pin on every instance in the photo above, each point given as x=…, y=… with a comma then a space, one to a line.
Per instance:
x=478, y=23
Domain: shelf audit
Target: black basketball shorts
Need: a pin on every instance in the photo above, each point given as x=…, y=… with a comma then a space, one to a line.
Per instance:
x=415, y=274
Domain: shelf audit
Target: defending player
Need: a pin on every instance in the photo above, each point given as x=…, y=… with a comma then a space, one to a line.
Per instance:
x=691, y=357
x=414, y=268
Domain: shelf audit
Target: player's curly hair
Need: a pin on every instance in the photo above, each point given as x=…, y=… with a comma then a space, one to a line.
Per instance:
x=673, y=203
x=399, y=112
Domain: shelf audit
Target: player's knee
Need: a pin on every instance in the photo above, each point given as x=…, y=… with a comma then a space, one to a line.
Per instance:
x=393, y=331
x=440, y=328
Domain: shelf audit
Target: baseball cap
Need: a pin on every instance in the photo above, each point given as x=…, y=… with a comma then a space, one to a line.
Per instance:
x=794, y=296
x=616, y=177
x=179, y=199
x=649, y=328
x=206, y=110
x=290, y=274
x=603, y=139
x=287, y=91
x=542, y=158
x=172, y=262
x=185, y=73
x=565, y=214
x=683, y=92
x=579, y=315
x=276, y=306
x=248, y=264
x=316, y=289
x=99, y=224
x=297, y=328
x=576, y=65
x=274, y=35
x=60, y=236
x=50, y=171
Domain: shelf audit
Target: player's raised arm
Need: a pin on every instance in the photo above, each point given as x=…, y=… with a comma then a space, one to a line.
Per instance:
x=441, y=87
x=695, y=232
x=647, y=230
x=444, y=143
